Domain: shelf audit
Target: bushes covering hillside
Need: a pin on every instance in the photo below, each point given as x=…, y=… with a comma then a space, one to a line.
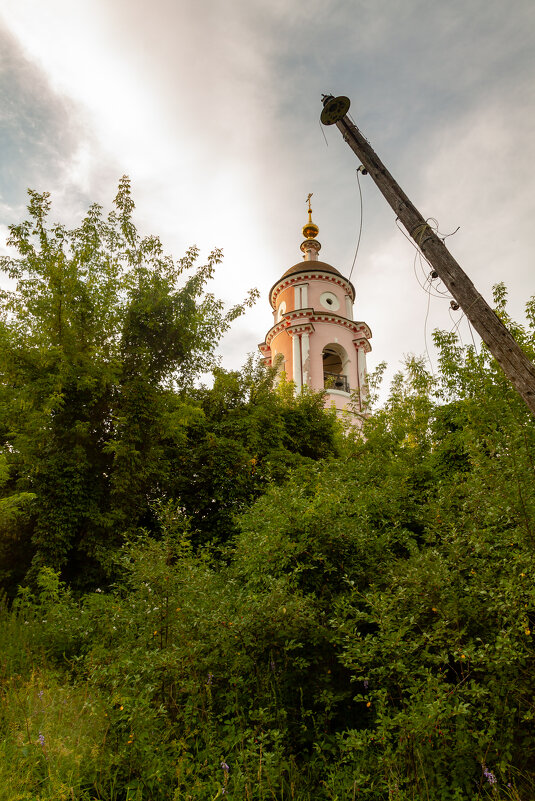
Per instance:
x=350, y=618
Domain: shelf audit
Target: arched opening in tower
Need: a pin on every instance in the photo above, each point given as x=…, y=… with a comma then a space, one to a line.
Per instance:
x=334, y=363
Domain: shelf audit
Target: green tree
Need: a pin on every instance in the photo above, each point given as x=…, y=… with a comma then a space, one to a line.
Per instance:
x=249, y=436
x=100, y=338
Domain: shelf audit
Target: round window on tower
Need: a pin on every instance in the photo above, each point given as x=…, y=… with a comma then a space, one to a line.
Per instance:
x=329, y=301
x=281, y=310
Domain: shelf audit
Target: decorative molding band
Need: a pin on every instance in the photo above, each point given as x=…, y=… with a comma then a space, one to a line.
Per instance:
x=300, y=328
x=338, y=392
x=309, y=317
x=362, y=342
x=310, y=275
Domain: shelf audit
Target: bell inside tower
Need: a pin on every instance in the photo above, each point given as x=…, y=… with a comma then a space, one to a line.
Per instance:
x=333, y=368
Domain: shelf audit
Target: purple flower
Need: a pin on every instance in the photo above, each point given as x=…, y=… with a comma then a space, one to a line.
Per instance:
x=40, y=693
x=225, y=767
x=366, y=684
x=41, y=740
x=489, y=776
x=210, y=677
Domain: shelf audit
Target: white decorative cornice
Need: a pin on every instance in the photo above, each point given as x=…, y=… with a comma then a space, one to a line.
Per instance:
x=307, y=317
x=362, y=342
x=300, y=328
x=265, y=350
x=310, y=275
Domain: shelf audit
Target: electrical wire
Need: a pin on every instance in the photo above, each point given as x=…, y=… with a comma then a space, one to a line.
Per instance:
x=360, y=227
x=323, y=132
x=456, y=325
x=442, y=294
x=472, y=335
x=419, y=255
x=425, y=334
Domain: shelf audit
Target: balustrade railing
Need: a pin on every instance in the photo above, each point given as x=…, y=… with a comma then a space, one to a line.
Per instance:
x=335, y=381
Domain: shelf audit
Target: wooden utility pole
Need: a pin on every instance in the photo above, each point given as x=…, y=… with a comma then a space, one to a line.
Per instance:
x=499, y=340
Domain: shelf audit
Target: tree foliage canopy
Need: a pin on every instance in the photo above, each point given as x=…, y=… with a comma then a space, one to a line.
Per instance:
x=101, y=341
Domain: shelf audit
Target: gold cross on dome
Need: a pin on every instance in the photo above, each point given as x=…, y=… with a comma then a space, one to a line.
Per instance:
x=308, y=200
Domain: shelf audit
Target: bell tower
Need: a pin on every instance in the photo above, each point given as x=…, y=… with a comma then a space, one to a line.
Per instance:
x=320, y=344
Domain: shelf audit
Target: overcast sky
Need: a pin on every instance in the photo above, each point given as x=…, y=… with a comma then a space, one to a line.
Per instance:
x=212, y=108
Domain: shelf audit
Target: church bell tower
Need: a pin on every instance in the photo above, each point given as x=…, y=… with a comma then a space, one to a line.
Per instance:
x=320, y=344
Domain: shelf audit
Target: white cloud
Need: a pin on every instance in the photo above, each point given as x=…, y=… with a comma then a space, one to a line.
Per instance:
x=212, y=108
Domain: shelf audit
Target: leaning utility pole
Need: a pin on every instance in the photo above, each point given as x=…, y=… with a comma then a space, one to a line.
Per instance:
x=513, y=361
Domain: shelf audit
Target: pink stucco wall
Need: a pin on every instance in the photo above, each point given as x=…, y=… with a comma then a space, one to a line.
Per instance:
x=287, y=295
x=282, y=343
x=317, y=288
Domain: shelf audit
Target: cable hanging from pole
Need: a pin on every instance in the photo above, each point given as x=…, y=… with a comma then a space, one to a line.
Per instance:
x=360, y=169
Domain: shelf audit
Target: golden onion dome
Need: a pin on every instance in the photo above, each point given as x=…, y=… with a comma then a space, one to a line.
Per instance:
x=310, y=230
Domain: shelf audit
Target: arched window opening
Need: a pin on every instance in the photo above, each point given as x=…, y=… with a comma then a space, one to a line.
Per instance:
x=334, y=364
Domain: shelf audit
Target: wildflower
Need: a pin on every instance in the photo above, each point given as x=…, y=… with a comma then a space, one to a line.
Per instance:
x=40, y=693
x=489, y=776
x=369, y=703
x=528, y=631
x=366, y=684
x=225, y=767
x=41, y=740
x=209, y=679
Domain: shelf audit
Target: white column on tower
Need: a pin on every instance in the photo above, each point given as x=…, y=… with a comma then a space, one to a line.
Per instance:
x=305, y=351
x=361, y=369
x=296, y=360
